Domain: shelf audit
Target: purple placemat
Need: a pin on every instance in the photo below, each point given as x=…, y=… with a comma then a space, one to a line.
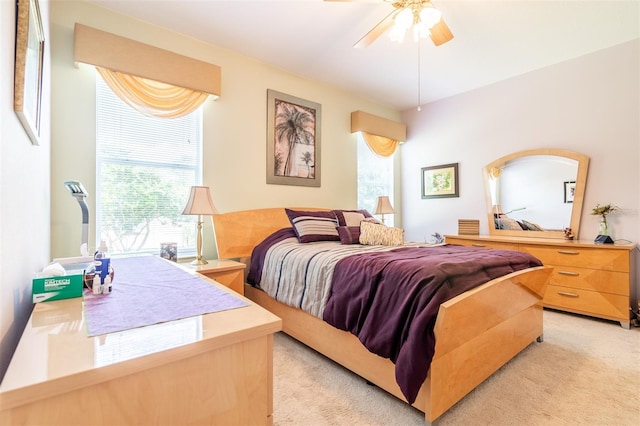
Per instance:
x=149, y=290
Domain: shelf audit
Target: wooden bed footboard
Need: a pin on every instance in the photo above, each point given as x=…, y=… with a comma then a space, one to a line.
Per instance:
x=476, y=332
x=480, y=330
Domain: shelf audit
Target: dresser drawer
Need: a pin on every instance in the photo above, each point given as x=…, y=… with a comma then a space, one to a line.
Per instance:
x=483, y=244
x=610, y=260
x=591, y=279
x=611, y=306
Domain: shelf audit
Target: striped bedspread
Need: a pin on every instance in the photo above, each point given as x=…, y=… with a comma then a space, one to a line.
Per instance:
x=300, y=275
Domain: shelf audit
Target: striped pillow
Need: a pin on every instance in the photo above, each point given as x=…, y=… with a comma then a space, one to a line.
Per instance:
x=313, y=226
x=351, y=217
x=349, y=234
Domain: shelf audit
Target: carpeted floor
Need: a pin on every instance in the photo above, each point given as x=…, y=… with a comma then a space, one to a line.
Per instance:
x=586, y=372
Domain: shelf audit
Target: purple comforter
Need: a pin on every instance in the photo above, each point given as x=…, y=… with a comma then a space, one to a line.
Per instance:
x=390, y=300
x=392, y=307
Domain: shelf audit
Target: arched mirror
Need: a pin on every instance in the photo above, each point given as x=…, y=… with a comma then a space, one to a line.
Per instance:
x=536, y=193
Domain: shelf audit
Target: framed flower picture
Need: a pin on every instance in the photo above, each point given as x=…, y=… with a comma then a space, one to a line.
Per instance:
x=440, y=181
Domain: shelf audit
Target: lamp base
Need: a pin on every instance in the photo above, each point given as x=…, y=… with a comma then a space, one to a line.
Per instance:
x=199, y=262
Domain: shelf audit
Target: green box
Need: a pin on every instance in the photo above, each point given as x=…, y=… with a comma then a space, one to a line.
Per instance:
x=56, y=288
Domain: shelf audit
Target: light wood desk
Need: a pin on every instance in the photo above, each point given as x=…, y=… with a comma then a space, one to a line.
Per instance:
x=208, y=369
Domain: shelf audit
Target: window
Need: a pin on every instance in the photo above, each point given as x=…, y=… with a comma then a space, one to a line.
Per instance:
x=375, y=178
x=145, y=167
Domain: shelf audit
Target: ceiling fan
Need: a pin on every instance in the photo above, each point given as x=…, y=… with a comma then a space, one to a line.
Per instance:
x=418, y=16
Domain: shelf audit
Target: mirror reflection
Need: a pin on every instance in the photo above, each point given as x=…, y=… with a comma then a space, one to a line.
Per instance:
x=537, y=193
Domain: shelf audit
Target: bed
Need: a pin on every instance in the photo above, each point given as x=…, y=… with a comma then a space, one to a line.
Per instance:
x=475, y=332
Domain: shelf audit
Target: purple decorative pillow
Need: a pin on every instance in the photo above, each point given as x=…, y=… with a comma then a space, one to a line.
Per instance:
x=349, y=234
x=313, y=226
x=351, y=217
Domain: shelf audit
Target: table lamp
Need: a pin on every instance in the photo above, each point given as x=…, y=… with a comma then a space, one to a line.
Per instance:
x=199, y=204
x=383, y=206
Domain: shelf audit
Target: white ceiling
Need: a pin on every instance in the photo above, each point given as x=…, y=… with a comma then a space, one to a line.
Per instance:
x=494, y=40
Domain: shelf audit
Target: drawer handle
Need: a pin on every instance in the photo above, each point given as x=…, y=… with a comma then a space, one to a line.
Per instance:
x=573, y=274
x=564, y=293
x=568, y=252
x=477, y=245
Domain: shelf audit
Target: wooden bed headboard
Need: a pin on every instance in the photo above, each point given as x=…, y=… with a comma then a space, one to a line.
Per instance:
x=237, y=233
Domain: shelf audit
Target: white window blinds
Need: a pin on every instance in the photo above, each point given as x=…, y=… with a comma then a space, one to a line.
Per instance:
x=145, y=167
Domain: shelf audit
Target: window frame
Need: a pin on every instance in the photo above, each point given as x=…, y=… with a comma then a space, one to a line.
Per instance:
x=392, y=191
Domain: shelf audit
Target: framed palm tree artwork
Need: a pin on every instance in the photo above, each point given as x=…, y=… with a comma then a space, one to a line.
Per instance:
x=293, y=140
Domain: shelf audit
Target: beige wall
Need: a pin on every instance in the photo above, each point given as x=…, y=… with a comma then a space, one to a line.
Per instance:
x=24, y=188
x=590, y=104
x=234, y=127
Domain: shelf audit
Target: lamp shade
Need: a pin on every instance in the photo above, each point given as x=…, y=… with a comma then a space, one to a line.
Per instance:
x=200, y=202
x=383, y=205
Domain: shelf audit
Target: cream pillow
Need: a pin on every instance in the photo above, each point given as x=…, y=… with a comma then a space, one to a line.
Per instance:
x=375, y=234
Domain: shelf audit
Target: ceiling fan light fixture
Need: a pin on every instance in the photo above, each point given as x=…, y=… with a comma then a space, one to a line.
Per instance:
x=397, y=34
x=430, y=15
x=420, y=18
x=420, y=30
x=404, y=19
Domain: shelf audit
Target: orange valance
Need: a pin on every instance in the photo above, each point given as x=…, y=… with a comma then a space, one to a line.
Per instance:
x=381, y=134
x=106, y=50
x=150, y=97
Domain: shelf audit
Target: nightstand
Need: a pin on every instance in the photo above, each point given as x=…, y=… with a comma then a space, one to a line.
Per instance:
x=227, y=272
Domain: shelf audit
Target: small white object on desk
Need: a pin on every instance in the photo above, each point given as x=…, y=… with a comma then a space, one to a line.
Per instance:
x=106, y=287
x=96, y=285
x=53, y=270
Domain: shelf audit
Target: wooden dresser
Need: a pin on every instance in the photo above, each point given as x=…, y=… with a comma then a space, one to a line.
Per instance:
x=589, y=279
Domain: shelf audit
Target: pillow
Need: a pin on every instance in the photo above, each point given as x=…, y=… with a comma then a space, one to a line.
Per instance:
x=532, y=226
x=351, y=217
x=372, y=220
x=349, y=234
x=375, y=234
x=313, y=226
x=504, y=222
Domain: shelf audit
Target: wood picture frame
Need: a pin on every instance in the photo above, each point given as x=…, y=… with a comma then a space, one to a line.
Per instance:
x=569, y=191
x=293, y=140
x=440, y=181
x=27, y=100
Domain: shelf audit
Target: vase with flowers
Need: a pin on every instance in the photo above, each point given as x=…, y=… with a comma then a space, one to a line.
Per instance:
x=603, y=211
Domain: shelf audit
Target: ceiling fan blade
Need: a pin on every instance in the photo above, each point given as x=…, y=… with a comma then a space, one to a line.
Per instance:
x=440, y=33
x=376, y=31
